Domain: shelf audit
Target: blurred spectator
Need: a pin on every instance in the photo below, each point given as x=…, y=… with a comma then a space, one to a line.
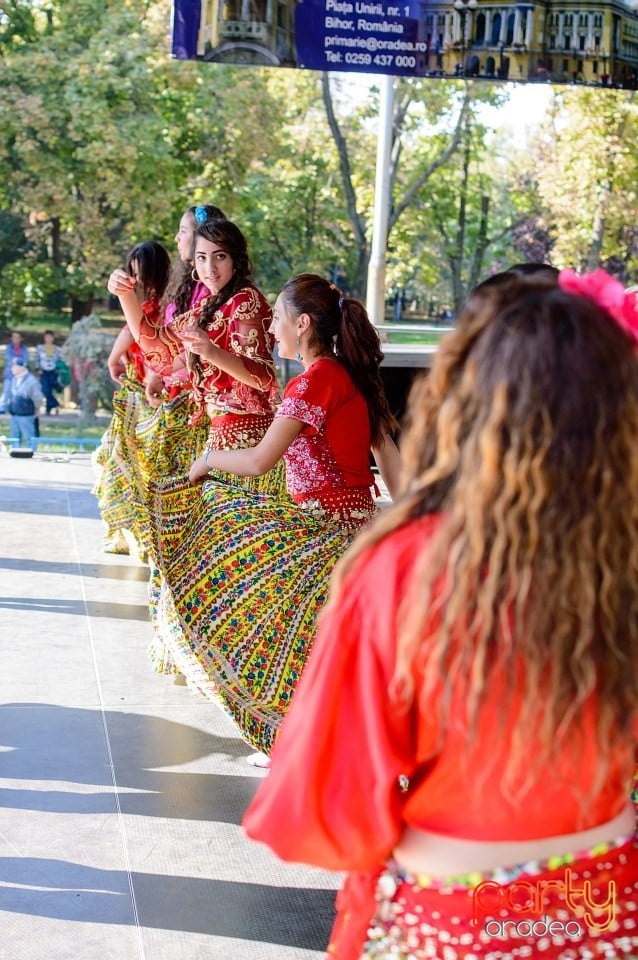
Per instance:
x=47, y=357
x=15, y=348
x=24, y=399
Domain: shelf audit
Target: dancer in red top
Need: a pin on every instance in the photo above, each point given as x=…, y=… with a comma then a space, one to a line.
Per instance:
x=223, y=339
x=246, y=573
x=116, y=461
x=224, y=345
x=149, y=434
x=463, y=738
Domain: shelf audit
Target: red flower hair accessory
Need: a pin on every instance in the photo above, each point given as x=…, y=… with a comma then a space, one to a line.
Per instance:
x=608, y=293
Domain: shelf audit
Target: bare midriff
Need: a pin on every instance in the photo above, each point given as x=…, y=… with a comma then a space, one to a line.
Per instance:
x=422, y=852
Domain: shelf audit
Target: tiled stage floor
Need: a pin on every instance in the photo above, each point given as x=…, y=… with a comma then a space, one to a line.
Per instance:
x=121, y=794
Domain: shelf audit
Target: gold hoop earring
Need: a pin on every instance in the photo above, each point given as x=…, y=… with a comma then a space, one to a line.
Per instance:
x=194, y=275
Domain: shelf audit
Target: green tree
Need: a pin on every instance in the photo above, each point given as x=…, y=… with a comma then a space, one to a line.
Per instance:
x=586, y=169
x=290, y=200
x=436, y=140
x=105, y=142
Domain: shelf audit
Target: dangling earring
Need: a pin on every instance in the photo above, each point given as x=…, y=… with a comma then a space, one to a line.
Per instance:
x=298, y=356
x=194, y=275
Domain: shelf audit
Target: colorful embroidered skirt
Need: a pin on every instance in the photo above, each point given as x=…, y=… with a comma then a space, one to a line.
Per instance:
x=582, y=907
x=245, y=574
x=142, y=444
x=232, y=431
x=114, y=486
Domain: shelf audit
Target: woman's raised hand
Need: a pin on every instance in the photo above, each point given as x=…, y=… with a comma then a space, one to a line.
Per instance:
x=120, y=282
x=154, y=390
x=196, y=340
x=116, y=369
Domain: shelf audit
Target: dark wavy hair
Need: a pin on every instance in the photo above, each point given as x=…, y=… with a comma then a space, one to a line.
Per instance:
x=182, y=284
x=229, y=237
x=341, y=328
x=153, y=264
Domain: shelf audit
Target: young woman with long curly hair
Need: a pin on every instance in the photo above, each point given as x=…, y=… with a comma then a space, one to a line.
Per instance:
x=463, y=739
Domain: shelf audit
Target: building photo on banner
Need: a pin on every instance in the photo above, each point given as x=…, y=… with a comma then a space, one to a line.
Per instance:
x=591, y=42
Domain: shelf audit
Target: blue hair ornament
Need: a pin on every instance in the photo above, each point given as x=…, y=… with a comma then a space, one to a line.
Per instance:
x=200, y=215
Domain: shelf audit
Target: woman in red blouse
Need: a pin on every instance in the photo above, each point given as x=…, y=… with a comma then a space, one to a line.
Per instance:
x=246, y=571
x=463, y=737
x=332, y=414
x=224, y=344
x=117, y=460
x=149, y=434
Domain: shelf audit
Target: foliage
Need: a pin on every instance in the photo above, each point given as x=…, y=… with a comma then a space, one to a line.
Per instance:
x=86, y=162
x=291, y=209
x=12, y=296
x=86, y=352
x=586, y=169
x=105, y=140
x=462, y=218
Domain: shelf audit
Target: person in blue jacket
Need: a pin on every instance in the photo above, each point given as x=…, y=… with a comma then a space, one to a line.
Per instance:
x=15, y=348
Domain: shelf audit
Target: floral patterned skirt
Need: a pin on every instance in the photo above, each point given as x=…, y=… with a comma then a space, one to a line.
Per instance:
x=142, y=444
x=243, y=575
x=114, y=468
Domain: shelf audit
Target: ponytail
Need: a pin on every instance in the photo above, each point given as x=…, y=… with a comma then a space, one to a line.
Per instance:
x=359, y=349
x=341, y=327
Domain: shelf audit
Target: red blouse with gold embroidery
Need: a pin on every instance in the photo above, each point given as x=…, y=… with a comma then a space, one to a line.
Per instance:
x=239, y=326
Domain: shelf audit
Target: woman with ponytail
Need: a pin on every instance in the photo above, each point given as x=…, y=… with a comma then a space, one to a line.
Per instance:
x=337, y=406
x=244, y=604
x=464, y=736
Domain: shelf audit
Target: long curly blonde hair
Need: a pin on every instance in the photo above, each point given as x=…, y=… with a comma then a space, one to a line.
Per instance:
x=524, y=438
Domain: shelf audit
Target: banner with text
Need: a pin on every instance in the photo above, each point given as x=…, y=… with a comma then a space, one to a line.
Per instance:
x=372, y=37
x=435, y=38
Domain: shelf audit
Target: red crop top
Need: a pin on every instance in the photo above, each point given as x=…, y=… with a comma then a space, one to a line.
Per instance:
x=333, y=797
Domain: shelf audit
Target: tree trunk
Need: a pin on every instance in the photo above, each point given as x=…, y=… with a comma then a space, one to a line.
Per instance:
x=360, y=284
x=55, y=242
x=81, y=308
x=357, y=222
x=456, y=260
x=598, y=226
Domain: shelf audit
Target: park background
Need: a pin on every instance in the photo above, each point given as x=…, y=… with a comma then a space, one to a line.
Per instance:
x=105, y=139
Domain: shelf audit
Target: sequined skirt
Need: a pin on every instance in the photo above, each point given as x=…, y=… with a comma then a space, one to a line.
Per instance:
x=577, y=909
x=244, y=575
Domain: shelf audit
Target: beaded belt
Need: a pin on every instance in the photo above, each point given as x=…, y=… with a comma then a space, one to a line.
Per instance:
x=503, y=875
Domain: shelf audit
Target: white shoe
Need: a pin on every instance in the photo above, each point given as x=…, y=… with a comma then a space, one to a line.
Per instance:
x=261, y=760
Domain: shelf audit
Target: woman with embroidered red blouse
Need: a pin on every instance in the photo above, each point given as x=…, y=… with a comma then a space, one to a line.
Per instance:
x=464, y=735
x=118, y=470
x=149, y=434
x=244, y=614
x=225, y=343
